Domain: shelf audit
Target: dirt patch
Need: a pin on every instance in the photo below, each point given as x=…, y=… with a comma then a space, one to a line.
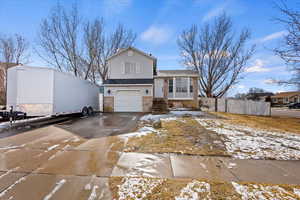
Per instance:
x=183, y=135
x=153, y=188
x=288, y=124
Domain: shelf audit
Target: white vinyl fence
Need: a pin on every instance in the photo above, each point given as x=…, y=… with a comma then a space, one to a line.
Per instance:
x=246, y=107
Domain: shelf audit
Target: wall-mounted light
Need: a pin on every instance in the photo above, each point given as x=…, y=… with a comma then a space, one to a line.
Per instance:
x=147, y=91
x=108, y=91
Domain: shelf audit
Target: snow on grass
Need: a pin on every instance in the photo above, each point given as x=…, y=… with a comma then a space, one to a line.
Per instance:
x=171, y=115
x=194, y=191
x=297, y=192
x=248, y=143
x=56, y=188
x=141, y=132
x=12, y=185
x=137, y=188
x=261, y=192
x=93, y=194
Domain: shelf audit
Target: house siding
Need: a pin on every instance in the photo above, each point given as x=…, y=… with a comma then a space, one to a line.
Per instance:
x=116, y=66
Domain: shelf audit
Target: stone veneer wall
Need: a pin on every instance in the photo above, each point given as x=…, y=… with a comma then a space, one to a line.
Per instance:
x=147, y=103
x=108, y=104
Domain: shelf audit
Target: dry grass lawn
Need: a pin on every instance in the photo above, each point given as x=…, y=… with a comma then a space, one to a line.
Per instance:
x=154, y=188
x=184, y=136
x=269, y=123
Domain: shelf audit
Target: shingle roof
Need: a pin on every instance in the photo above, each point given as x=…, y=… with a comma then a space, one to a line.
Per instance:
x=177, y=73
x=286, y=94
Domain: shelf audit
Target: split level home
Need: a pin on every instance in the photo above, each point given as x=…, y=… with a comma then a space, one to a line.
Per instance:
x=135, y=85
x=285, y=98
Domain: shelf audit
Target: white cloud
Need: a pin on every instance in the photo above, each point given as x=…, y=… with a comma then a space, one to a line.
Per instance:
x=270, y=81
x=156, y=34
x=257, y=67
x=114, y=7
x=214, y=12
x=273, y=36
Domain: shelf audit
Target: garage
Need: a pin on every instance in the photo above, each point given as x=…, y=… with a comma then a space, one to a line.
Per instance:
x=128, y=101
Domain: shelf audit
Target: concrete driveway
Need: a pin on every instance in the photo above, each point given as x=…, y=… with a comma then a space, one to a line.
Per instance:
x=100, y=125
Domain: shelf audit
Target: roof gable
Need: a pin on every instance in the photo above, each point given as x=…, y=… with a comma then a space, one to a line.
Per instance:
x=133, y=49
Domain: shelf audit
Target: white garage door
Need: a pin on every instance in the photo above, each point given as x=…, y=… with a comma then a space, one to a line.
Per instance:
x=128, y=101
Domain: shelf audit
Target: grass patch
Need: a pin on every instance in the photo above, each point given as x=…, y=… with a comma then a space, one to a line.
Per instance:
x=184, y=136
x=287, y=124
x=155, y=188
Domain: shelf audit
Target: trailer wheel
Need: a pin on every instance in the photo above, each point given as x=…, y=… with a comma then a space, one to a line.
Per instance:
x=84, y=111
x=90, y=111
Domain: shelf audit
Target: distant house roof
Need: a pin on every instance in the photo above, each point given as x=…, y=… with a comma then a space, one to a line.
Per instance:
x=171, y=73
x=134, y=49
x=286, y=94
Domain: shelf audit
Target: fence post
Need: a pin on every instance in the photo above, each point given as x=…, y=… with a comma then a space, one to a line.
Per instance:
x=216, y=104
x=226, y=105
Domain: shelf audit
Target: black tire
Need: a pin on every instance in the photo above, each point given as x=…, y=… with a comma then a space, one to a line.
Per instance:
x=84, y=111
x=90, y=111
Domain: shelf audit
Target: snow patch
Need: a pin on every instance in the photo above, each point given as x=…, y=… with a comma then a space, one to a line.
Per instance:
x=93, y=194
x=141, y=132
x=248, y=143
x=171, y=115
x=56, y=188
x=194, y=191
x=257, y=191
x=137, y=188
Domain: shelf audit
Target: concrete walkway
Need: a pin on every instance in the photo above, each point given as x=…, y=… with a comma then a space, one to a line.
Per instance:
x=207, y=167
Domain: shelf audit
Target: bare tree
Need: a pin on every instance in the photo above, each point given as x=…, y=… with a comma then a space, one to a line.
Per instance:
x=72, y=44
x=216, y=54
x=13, y=51
x=289, y=49
x=59, y=40
x=101, y=45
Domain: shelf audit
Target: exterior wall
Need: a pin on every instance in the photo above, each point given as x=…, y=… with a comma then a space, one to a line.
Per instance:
x=147, y=103
x=116, y=66
x=147, y=99
x=108, y=104
x=158, y=87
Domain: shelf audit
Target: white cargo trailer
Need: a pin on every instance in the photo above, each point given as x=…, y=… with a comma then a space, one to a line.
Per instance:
x=40, y=91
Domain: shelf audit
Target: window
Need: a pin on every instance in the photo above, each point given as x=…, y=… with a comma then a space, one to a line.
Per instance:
x=191, y=85
x=170, y=85
x=130, y=68
x=181, y=84
x=286, y=100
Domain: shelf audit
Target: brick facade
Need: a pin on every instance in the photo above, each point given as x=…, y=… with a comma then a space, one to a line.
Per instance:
x=147, y=103
x=108, y=104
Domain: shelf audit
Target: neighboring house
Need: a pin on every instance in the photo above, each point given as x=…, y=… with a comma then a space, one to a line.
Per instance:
x=259, y=96
x=3, y=68
x=134, y=85
x=285, y=98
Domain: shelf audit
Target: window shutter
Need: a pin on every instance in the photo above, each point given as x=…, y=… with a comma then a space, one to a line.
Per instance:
x=123, y=68
x=138, y=68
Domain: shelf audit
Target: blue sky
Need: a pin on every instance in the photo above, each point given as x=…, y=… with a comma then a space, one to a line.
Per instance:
x=158, y=24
